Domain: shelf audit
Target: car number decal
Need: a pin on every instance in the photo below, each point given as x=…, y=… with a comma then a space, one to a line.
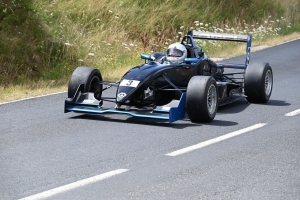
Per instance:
x=129, y=83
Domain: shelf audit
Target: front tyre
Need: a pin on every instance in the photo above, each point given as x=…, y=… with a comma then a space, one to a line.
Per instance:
x=202, y=99
x=88, y=76
x=258, y=82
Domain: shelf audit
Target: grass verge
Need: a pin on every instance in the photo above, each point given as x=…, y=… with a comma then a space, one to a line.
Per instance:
x=33, y=89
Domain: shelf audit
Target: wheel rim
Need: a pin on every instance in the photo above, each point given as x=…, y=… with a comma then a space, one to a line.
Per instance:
x=212, y=99
x=94, y=85
x=268, y=82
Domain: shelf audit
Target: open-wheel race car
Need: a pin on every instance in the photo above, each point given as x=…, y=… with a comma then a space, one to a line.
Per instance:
x=184, y=75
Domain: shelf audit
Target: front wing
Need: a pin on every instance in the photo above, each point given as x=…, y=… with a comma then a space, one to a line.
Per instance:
x=86, y=103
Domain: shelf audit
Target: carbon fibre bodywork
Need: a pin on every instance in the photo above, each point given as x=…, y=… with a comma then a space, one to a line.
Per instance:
x=157, y=82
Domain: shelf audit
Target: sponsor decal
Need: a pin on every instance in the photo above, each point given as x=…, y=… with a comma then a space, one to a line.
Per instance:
x=121, y=95
x=248, y=56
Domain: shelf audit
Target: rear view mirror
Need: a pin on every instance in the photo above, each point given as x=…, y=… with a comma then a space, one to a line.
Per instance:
x=145, y=57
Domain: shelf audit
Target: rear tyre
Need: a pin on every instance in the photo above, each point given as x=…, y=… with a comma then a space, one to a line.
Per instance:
x=258, y=82
x=88, y=76
x=202, y=99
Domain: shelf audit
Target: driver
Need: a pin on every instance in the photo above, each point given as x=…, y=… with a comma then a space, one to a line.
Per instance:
x=176, y=53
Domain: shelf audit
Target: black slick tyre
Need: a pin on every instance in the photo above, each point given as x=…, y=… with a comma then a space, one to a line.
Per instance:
x=258, y=82
x=202, y=99
x=88, y=76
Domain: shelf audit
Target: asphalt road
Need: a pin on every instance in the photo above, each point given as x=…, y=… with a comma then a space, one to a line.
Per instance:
x=47, y=153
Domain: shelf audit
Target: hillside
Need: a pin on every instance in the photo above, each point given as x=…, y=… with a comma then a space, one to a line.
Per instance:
x=47, y=39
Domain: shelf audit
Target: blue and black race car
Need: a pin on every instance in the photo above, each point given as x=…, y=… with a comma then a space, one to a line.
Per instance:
x=184, y=75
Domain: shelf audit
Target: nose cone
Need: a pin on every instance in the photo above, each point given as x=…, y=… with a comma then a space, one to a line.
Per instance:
x=126, y=87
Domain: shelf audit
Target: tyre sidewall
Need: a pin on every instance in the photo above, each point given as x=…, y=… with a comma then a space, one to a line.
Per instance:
x=255, y=83
x=196, y=103
x=88, y=76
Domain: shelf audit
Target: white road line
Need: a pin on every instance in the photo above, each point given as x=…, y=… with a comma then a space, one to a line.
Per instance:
x=75, y=185
x=31, y=98
x=215, y=140
x=291, y=114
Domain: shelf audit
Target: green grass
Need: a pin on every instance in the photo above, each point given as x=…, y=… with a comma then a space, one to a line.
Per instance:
x=47, y=39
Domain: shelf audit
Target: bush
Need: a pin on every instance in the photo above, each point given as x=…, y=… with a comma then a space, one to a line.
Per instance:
x=47, y=39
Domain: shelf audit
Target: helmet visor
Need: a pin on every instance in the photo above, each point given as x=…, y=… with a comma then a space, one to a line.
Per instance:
x=174, y=52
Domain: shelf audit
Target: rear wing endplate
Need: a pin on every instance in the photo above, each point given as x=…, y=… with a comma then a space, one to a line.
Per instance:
x=225, y=37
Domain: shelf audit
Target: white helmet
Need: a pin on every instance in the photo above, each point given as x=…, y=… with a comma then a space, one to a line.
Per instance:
x=176, y=53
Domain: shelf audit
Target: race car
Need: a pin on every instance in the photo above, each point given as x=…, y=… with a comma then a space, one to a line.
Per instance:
x=184, y=75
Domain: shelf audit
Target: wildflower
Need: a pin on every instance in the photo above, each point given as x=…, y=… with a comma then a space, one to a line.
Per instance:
x=196, y=22
x=201, y=24
x=67, y=44
x=91, y=54
x=131, y=45
x=180, y=33
x=206, y=25
x=80, y=60
x=181, y=27
x=97, y=19
x=110, y=11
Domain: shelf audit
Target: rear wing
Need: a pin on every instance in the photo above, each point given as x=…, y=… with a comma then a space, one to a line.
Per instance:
x=226, y=37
